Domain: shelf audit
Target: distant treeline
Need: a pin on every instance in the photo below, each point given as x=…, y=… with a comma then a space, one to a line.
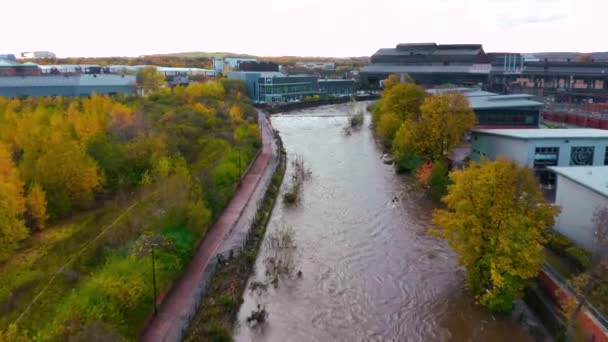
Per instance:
x=158, y=60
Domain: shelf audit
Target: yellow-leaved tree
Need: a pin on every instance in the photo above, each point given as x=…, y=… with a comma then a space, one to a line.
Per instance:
x=441, y=125
x=12, y=204
x=399, y=102
x=496, y=219
x=36, y=207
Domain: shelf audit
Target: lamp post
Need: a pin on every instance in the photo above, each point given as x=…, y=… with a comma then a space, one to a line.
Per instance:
x=154, y=277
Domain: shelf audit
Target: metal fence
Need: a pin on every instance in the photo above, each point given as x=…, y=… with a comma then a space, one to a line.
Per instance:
x=564, y=283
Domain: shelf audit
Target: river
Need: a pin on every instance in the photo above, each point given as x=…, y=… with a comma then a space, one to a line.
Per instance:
x=370, y=272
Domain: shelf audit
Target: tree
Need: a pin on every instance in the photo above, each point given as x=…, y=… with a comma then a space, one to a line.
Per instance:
x=586, y=282
x=149, y=79
x=443, y=121
x=69, y=176
x=12, y=204
x=236, y=115
x=403, y=100
x=496, y=220
x=36, y=207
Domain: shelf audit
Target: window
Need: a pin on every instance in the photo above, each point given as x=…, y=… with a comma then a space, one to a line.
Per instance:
x=606, y=156
x=546, y=156
x=581, y=155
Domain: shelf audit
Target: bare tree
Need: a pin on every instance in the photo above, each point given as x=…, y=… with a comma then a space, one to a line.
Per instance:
x=596, y=274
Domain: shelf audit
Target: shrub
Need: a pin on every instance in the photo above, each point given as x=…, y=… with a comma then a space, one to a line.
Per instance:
x=424, y=172
x=580, y=256
x=408, y=163
x=439, y=180
x=562, y=246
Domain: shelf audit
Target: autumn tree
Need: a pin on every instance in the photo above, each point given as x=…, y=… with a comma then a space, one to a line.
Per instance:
x=441, y=125
x=150, y=79
x=399, y=102
x=35, y=201
x=496, y=220
x=12, y=204
x=69, y=176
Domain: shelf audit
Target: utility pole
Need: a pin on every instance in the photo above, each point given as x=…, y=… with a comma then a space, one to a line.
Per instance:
x=154, y=278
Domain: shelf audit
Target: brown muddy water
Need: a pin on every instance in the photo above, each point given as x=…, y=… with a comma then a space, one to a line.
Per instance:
x=370, y=271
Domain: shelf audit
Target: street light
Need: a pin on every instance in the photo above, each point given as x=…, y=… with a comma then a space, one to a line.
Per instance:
x=154, y=244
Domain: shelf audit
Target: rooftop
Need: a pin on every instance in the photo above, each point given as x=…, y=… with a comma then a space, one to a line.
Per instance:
x=480, y=99
x=548, y=133
x=428, y=69
x=432, y=49
x=594, y=178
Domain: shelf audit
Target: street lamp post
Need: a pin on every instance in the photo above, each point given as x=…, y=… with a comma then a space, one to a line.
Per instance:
x=154, y=278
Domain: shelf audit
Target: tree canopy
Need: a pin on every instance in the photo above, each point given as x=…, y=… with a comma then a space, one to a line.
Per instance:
x=441, y=125
x=496, y=220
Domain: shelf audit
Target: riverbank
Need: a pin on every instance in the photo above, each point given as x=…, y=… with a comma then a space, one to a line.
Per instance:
x=216, y=315
x=274, y=109
x=179, y=305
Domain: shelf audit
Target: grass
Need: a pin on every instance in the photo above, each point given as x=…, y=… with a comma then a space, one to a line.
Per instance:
x=218, y=311
x=32, y=270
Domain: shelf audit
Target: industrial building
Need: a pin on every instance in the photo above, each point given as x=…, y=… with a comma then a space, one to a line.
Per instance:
x=541, y=148
x=579, y=192
x=430, y=64
x=67, y=85
x=275, y=87
x=12, y=68
x=500, y=111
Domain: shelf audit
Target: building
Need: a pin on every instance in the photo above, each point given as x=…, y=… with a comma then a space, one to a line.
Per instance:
x=579, y=192
x=337, y=88
x=10, y=57
x=227, y=64
x=430, y=64
x=13, y=68
x=541, y=148
x=67, y=85
x=38, y=55
x=500, y=111
x=273, y=87
x=329, y=66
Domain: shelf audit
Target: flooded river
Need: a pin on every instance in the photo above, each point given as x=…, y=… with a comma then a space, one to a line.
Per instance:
x=370, y=271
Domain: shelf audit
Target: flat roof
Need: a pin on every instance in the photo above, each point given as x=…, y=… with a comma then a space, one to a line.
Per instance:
x=427, y=69
x=502, y=101
x=548, y=133
x=594, y=178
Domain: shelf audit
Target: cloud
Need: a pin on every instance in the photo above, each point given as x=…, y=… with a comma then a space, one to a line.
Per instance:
x=510, y=22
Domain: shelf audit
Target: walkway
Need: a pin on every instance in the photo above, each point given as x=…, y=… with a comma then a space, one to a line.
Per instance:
x=176, y=308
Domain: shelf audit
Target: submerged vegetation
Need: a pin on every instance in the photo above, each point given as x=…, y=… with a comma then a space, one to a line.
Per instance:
x=97, y=183
x=291, y=196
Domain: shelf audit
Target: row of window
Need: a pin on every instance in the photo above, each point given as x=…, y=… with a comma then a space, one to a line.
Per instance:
x=579, y=155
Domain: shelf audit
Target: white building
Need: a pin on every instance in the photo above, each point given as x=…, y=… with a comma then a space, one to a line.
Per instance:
x=540, y=148
x=38, y=54
x=329, y=66
x=580, y=191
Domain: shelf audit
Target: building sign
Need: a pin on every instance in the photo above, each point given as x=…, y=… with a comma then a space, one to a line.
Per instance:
x=581, y=155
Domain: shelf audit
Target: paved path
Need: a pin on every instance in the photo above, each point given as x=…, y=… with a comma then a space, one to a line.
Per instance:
x=173, y=314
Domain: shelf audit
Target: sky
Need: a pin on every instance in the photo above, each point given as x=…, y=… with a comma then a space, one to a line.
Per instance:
x=83, y=28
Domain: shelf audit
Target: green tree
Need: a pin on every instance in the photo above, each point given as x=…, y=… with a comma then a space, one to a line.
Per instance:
x=149, y=79
x=443, y=121
x=496, y=220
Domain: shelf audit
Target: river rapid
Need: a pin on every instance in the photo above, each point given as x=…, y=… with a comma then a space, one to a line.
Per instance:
x=370, y=271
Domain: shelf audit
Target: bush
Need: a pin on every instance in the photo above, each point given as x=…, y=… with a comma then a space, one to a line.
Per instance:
x=562, y=246
x=408, y=163
x=580, y=256
x=439, y=180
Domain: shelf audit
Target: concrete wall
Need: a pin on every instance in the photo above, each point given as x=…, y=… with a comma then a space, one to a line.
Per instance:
x=492, y=147
x=578, y=204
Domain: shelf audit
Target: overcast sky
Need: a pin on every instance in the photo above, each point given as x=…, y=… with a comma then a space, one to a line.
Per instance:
x=298, y=27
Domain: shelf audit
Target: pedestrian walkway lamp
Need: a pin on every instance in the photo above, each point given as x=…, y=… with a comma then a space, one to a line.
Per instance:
x=154, y=244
